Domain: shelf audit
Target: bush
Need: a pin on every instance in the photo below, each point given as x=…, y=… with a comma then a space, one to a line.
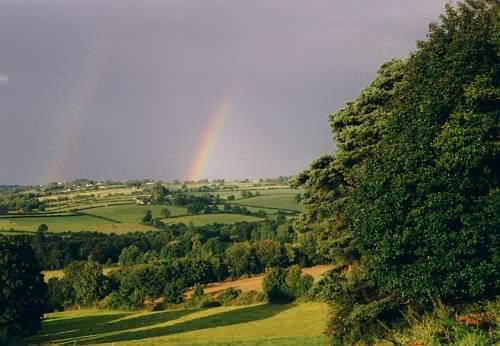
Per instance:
x=281, y=286
x=114, y=301
x=200, y=300
x=228, y=296
x=274, y=286
x=250, y=297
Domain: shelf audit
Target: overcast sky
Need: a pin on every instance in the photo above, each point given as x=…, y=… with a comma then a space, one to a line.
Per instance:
x=125, y=89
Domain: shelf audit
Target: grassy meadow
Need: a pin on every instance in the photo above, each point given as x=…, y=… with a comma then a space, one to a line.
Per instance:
x=133, y=213
x=284, y=201
x=205, y=219
x=262, y=324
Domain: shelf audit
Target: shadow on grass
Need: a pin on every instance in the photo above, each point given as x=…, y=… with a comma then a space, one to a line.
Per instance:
x=78, y=329
x=241, y=315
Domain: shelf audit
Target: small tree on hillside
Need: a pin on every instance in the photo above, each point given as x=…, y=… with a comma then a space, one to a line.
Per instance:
x=148, y=216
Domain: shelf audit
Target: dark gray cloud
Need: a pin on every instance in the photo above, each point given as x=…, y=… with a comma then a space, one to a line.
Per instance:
x=124, y=89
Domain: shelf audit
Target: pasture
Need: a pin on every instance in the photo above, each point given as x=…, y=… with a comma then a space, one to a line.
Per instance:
x=261, y=324
x=132, y=213
x=205, y=219
x=284, y=201
x=73, y=223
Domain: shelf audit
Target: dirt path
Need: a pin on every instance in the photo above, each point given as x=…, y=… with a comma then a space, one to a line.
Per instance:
x=255, y=283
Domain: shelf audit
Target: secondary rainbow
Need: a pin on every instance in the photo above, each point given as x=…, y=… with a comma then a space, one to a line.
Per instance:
x=208, y=139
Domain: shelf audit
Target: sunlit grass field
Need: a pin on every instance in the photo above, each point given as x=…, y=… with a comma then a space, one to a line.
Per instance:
x=133, y=213
x=200, y=220
x=285, y=201
x=263, y=324
x=70, y=223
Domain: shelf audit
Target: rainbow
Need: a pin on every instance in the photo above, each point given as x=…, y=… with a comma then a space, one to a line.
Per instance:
x=73, y=118
x=208, y=139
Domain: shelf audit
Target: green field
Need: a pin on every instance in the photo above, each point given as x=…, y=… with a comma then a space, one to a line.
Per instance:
x=285, y=201
x=133, y=213
x=200, y=220
x=263, y=324
x=70, y=223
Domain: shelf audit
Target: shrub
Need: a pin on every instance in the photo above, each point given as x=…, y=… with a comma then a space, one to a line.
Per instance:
x=250, y=297
x=297, y=284
x=281, y=286
x=200, y=300
x=228, y=296
x=114, y=301
x=274, y=286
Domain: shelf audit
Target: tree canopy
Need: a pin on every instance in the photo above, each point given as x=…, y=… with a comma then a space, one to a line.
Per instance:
x=23, y=292
x=408, y=206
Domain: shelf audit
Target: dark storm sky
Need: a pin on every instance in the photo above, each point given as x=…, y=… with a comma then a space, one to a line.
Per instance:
x=125, y=89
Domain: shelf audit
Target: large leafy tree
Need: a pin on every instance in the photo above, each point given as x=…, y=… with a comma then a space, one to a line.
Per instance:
x=330, y=180
x=426, y=209
x=23, y=292
x=408, y=205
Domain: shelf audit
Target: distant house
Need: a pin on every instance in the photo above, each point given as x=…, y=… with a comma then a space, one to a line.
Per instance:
x=142, y=200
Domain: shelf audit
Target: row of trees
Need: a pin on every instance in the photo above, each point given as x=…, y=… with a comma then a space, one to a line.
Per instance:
x=55, y=251
x=408, y=207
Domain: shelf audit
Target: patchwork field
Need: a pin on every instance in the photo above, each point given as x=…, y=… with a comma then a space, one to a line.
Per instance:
x=262, y=324
x=114, y=209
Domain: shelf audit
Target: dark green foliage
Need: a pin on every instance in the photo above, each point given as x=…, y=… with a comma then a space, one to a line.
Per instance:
x=228, y=296
x=173, y=291
x=426, y=206
x=90, y=285
x=148, y=217
x=274, y=286
x=270, y=254
x=61, y=294
x=330, y=180
x=296, y=283
x=165, y=213
x=142, y=282
x=42, y=228
x=241, y=259
x=159, y=193
x=408, y=207
x=130, y=256
x=200, y=300
x=284, y=285
x=83, y=285
x=23, y=293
